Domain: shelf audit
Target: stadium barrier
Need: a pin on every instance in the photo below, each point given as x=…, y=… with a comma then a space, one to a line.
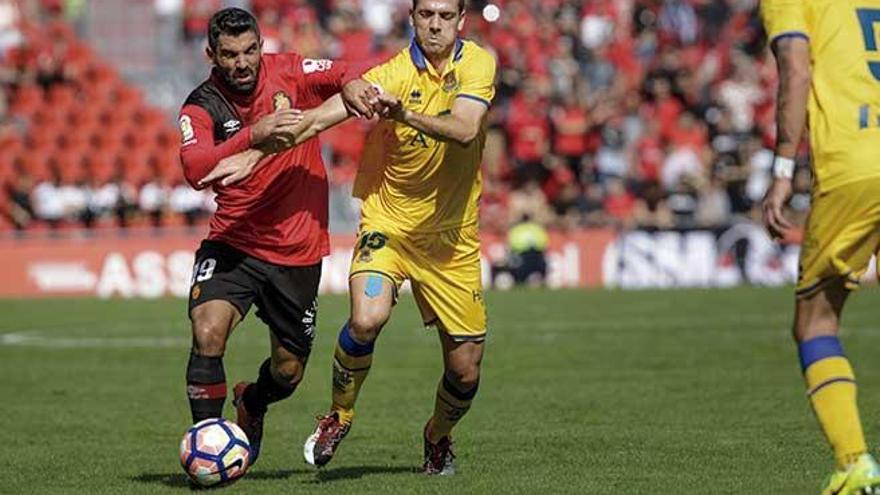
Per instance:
x=150, y=265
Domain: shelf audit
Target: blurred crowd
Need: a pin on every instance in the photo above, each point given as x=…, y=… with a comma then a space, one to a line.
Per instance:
x=80, y=146
x=622, y=113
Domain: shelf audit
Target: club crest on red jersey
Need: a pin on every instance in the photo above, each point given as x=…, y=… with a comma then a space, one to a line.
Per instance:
x=280, y=101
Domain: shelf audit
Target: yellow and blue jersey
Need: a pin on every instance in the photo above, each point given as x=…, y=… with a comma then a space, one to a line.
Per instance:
x=409, y=181
x=844, y=101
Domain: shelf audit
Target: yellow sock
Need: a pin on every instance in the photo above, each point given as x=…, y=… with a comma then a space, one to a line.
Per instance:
x=831, y=387
x=351, y=363
x=449, y=407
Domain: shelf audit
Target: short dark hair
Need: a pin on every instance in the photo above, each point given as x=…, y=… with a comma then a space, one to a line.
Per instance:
x=231, y=21
x=461, y=5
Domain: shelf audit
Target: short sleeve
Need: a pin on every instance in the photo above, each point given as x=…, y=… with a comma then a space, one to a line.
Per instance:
x=783, y=18
x=384, y=76
x=477, y=77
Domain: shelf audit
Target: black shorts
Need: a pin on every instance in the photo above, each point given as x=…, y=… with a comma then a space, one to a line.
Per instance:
x=286, y=296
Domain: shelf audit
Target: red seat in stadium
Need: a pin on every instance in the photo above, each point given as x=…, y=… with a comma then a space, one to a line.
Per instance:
x=69, y=163
x=42, y=137
x=167, y=137
x=168, y=159
x=75, y=136
x=62, y=96
x=85, y=116
x=108, y=137
x=138, y=139
x=150, y=118
x=26, y=100
x=101, y=163
x=127, y=96
x=135, y=167
x=35, y=163
x=98, y=83
x=48, y=116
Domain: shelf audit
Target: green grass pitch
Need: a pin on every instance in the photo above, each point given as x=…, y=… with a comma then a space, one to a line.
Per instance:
x=673, y=392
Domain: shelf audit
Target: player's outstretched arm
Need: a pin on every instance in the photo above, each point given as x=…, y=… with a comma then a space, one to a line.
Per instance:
x=462, y=124
x=793, y=62
x=311, y=123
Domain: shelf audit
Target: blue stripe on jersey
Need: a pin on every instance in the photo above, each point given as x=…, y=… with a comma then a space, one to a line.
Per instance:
x=817, y=349
x=476, y=98
x=459, y=50
x=790, y=34
x=416, y=55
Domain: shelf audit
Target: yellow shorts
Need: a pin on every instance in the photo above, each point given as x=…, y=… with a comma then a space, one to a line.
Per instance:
x=443, y=268
x=843, y=232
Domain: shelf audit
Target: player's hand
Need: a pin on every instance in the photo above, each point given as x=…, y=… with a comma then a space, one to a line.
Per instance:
x=275, y=124
x=774, y=202
x=357, y=95
x=389, y=107
x=233, y=168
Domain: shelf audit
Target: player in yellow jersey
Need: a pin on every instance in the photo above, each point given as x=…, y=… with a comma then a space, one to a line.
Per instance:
x=829, y=78
x=420, y=183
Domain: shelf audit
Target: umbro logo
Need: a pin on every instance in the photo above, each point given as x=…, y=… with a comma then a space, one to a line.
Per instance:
x=231, y=126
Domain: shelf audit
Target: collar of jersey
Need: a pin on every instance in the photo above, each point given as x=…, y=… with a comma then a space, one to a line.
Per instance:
x=419, y=60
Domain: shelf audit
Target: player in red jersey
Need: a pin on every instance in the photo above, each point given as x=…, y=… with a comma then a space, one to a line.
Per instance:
x=269, y=233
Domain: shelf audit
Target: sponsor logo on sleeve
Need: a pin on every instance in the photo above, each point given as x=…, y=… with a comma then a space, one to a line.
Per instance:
x=310, y=65
x=187, y=134
x=231, y=126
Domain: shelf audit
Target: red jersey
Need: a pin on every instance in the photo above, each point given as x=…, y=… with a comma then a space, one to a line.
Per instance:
x=279, y=213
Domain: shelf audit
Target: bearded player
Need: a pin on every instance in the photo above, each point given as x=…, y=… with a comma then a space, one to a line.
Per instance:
x=829, y=78
x=269, y=233
x=420, y=182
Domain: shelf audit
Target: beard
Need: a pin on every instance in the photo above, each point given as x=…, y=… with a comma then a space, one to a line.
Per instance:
x=237, y=86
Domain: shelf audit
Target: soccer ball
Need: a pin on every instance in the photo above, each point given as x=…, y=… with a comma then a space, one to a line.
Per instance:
x=214, y=451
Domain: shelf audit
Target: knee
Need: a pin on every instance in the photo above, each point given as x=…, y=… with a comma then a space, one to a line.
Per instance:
x=365, y=325
x=209, y=337
x=465, y=376
x=288, y=372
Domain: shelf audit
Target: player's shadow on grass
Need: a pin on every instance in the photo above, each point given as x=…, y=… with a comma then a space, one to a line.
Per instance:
x=355, y=472
x=180, y=480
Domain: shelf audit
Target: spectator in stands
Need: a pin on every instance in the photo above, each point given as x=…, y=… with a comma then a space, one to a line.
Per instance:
x=612, y=160
x=593, y=207
x=530, y=201
x=656, y=106
x=570, y=125
x=527, y=242
x=651, y=209
x=713, y=203
x=683, y=200
x=49, y=203
x=18, y=189
x=153, y=199
x=112, y=199
x=187, y=202
x=619, y=203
